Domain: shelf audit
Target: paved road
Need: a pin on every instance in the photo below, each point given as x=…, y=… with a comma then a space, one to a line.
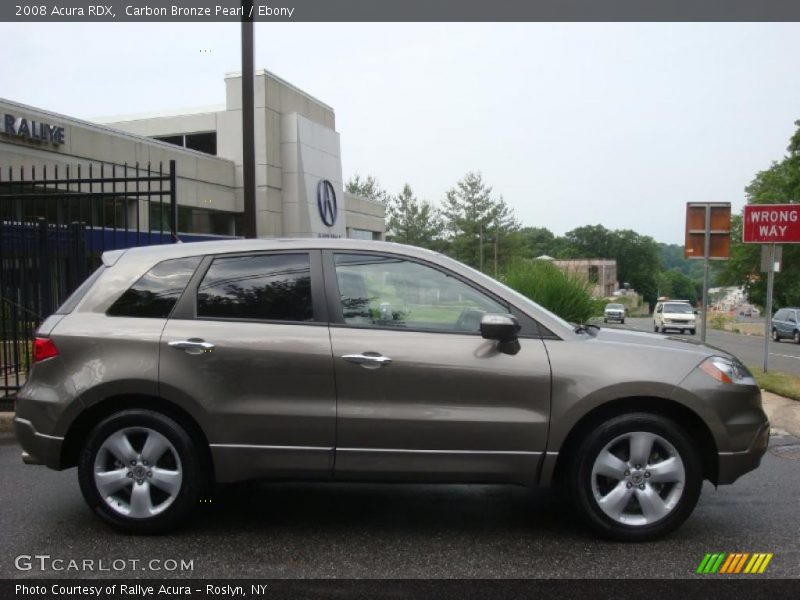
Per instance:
x=416, y=531
x=784, y=355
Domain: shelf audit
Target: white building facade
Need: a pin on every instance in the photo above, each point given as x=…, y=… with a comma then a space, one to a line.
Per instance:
x=299, y=183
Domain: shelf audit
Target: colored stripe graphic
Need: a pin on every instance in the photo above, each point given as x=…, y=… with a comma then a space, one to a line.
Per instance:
x=734, y=562
x=727, y=564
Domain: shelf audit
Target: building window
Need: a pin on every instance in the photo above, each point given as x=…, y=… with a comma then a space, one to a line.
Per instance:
x=594, y=274
x=363, y=234
x=202, y=142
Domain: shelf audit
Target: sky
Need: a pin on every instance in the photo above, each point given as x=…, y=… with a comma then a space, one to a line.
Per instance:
x=573, y=124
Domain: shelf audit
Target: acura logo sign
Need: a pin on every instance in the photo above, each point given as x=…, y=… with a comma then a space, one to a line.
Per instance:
x=326, y=202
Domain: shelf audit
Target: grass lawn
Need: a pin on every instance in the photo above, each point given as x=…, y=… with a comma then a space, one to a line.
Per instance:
x=777, y=382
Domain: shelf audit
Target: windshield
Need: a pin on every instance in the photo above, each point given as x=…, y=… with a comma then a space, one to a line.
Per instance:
x=614, y=307
x=684, y=309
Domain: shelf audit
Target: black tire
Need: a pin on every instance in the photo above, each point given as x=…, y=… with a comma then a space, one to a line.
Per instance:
x=622, y=322
x=692, y=331
x=580, y=477
x=605, y=320
x=775, y=336
x=655, y=327
x=194, y=480
x=797, y=337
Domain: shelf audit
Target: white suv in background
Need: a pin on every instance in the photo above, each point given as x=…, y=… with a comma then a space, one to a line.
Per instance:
x=674, y=314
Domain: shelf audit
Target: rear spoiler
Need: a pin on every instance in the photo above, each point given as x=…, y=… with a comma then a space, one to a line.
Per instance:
x=111, y=257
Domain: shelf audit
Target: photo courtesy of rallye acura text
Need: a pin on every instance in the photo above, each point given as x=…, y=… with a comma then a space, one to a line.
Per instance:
x=175, y=367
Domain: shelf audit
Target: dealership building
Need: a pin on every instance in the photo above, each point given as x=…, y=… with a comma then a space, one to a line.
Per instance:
x=299, y=184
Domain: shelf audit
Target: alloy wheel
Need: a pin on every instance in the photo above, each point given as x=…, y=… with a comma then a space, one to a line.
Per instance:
x=638, y=478
x=137, y=472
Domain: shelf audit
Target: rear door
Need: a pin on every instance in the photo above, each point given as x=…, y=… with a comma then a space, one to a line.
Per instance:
x=421, y=395
x=248, y=346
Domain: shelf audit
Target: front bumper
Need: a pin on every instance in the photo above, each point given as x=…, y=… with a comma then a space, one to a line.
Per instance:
x=614, y=317
x=733, y=465
x=41, y=448
x=681, y=326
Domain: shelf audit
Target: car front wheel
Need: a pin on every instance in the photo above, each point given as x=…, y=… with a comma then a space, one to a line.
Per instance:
x=775, y=336
x=140, y=471
x=797, y=337
x=636, y=477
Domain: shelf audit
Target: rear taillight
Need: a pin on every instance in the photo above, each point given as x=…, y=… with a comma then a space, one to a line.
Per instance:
x=43, y=348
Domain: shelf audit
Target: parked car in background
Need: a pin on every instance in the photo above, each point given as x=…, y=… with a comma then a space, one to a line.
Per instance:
x=614, y=312
x=786, y=325
x=174, y=367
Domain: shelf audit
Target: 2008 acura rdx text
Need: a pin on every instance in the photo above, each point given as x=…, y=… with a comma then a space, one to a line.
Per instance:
x=174, y=367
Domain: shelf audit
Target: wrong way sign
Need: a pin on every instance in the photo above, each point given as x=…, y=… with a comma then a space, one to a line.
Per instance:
x=771, y=224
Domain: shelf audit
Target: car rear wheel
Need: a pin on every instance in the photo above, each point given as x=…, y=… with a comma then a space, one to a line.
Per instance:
x=140, y=471
x=636, y=477
x=775, y=336
x=692, y=331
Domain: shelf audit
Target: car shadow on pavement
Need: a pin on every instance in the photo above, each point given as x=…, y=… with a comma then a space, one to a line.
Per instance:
x=390, y=507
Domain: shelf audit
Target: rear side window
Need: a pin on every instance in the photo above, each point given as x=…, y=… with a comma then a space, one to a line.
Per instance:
x=156, y=292
x=271, y=287
x=780, y=315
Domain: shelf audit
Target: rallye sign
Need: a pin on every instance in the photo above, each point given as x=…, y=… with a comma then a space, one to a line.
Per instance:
x=771, y=224
x=32, y=130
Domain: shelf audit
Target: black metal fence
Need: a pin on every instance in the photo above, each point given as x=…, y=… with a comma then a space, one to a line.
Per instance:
x=54, y=226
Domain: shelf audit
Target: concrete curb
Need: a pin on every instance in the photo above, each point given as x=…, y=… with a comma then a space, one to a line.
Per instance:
x=6, y=421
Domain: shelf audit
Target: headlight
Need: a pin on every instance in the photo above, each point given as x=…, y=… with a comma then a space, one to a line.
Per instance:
x=725, y=370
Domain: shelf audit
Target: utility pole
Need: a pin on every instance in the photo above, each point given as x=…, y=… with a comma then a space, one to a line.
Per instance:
x=706, y=253
x=770, y=249
x=248, y=120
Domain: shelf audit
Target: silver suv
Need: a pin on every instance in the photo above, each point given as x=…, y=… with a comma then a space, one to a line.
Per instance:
x=174, y=367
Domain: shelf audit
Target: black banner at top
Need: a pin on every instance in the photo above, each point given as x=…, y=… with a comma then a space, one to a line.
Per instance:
x=399, y=10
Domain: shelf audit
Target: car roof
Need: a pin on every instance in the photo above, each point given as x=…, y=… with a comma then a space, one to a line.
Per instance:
x=165, y=251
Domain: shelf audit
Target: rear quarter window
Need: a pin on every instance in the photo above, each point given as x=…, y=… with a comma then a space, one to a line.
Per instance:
x=76, y=296
x=155, y=293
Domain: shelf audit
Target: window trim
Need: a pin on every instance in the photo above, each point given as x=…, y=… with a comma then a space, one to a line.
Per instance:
x=331, y=284
x=186, y=307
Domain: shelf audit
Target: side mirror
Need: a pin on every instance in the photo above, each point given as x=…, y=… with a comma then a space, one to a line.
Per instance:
x=500, y=327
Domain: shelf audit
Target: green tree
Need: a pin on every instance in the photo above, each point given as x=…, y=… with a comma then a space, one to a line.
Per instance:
x=470, y=214
x=412, y=221
x=538, y=241
x=779, y=184
x=368, y=187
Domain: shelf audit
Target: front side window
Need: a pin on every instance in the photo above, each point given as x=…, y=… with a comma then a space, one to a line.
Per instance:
x=273, y=287
x=156, y=292
x=384, y=291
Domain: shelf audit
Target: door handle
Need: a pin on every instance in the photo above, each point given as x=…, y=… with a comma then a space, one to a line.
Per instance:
x=192, y=346
x=368, y=360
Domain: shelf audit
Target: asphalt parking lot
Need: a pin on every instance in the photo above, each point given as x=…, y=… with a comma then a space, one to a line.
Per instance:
x=397, y=531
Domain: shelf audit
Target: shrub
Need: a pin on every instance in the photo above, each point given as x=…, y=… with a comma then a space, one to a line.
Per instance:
x=566, y=295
